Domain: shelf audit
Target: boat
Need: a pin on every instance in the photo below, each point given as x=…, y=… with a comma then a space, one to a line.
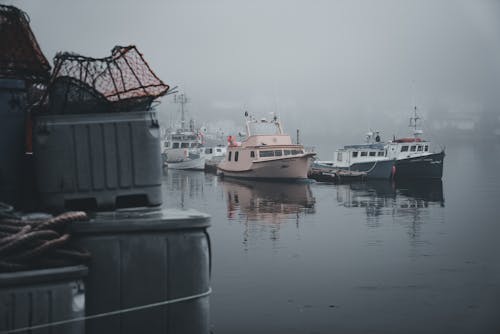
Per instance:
x=370, y=158
x=266, y=153
x=213, y=156
x=414, y=155
x=183, y=149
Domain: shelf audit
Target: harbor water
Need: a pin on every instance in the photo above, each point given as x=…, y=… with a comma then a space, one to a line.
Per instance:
x=370, y=257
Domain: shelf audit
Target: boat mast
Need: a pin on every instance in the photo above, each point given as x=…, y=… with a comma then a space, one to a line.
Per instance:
x=278, y=124
x=414, y=123
x=247, y=123
x=182, y=100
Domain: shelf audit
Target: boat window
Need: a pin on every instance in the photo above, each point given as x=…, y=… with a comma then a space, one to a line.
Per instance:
x=193, y=145
x=364, y=154
x=229, y=156
x=385, y=152
x=184, y=145
x=266, y=154
x=355, y=154
x=419, y=148
x=236, y=155
x=208, y=151
x=252, y=154
x=218, y=150
x=426, y=148
x=175, y=145
x=339, y=156
x=278, y=153
x=294, y=152
x=413, y=148
x=288, y=152
x=372, y=153
x=404, y=148
x=380, y=153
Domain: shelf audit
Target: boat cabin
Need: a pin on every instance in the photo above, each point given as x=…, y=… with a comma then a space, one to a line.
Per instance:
x=183, y=140
x=255, y=153
x=408, y=147
x=352, y=154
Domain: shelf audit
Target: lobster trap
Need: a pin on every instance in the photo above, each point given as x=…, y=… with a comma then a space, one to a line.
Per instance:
x=121, y=82
x=20, y=54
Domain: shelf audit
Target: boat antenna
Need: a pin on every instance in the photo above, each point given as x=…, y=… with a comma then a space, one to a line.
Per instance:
x=414, y=122
x=247, y=123
x=182, y=100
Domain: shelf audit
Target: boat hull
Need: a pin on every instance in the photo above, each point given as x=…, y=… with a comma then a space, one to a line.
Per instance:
x=193, y=164
x=278, y=169
x=381, y=169
x=423, y=167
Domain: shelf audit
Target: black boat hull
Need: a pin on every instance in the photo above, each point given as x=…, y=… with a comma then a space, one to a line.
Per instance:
x=424, y=167
x=381, y=169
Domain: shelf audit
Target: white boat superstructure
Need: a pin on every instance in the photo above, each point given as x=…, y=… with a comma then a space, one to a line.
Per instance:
x=266, y=153
x=184, y=150
x=215, y=153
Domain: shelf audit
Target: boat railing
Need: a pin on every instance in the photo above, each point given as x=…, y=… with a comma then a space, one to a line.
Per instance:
x=309, y=149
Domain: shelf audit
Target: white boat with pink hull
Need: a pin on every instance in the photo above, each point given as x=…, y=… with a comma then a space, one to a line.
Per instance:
x=266, y=153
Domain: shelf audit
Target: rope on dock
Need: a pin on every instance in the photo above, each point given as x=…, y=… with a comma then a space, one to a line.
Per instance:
x=111, y=313
x=37, y=243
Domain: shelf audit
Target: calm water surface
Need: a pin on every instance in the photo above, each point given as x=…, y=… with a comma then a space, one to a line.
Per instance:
x=373, y=257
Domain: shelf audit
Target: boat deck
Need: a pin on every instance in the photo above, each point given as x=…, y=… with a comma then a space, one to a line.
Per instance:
x=323, y=174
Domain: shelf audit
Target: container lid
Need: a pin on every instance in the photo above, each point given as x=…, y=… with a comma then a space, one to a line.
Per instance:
x=42, y=275
x=141, y=219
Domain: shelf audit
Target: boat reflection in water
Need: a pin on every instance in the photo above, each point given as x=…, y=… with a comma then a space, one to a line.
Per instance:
x=410, y=202
x=186, y=188
x=265, y=205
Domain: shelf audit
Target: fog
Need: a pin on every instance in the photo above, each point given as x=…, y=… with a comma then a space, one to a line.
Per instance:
x=333, y=69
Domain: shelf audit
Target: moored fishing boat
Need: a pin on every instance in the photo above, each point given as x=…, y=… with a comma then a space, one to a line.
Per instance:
x=183, y=150
x=370, y=158
x=266, y=153
x=414, y=155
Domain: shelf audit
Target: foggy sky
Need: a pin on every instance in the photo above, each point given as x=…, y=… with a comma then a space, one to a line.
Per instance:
x=326, y=67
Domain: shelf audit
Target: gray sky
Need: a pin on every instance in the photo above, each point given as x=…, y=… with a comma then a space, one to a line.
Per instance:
x=325, y=66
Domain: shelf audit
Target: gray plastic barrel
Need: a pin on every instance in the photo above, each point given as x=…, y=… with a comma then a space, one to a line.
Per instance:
x=12, y=138
x=98, y=161
x=39, y=297
x=143, y=257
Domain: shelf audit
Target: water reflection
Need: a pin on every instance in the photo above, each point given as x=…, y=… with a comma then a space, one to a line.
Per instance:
x=409, y=202
x=263, y=205
x=182, y=187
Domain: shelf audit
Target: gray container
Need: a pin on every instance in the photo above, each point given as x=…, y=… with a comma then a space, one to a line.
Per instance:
x=13, y=100
x=98, y=161
x=145, y=256
x=38, y=297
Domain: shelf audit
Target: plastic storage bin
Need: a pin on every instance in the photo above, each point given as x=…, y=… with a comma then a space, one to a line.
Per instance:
x=39, y=297
x=12, y=138
x=140, y=257
x=98, y=161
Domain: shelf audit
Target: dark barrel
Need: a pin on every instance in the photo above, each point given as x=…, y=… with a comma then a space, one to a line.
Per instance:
x=12, y=138
x=146, y=256
x=38, y=297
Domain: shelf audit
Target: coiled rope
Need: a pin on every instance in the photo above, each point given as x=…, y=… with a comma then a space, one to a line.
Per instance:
x=37, y=243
